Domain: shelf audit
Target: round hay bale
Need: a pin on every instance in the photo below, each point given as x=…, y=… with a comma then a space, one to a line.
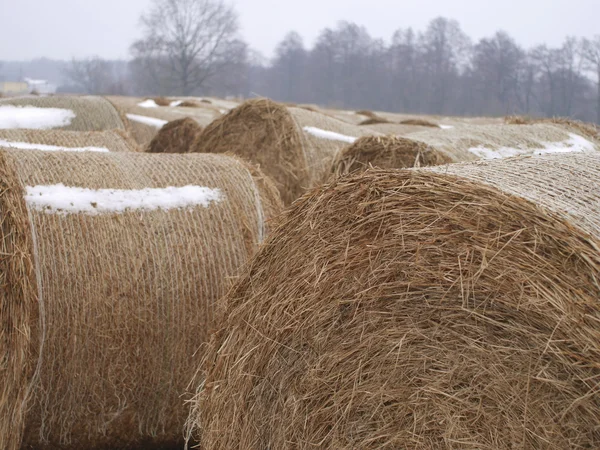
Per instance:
x=204, y=100
x=112, y=140
x=396, y=129
x=498, y=141
x=177, y=136
x=419, y=122
x=189, y=104
x=104, y=309
x=86, y=113
x=389, y=152
x=588, y=130
x=162, y=101
x=444, y=308
x=293, y=146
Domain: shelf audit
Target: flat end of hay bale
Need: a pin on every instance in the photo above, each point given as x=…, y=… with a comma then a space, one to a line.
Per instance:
x=177, y=136
x=386, y=152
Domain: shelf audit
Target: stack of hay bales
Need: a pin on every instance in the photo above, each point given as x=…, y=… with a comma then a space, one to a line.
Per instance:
x=146, y=117
x=452, y=307
x=111, y=266
x=52, y=140
x=439, y=146
x=294, y=146
x=178, y=136
x=79, y=113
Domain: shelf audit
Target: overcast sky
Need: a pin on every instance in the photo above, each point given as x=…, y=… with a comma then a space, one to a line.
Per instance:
x=63, y=29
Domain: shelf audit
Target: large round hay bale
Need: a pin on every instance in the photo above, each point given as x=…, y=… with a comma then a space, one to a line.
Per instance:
x=588, y=130
x=177, y=136
x=85, y=113
x=111, y=140
x=294, y=146
x=448, y=308
x=111, y=266
x=389, y=152
x=443, y=146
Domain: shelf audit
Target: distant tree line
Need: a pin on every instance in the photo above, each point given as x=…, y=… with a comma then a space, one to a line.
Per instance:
x=192, y=47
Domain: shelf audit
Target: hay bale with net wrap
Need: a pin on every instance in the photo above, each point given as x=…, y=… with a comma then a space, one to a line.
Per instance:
x=588, y=130
x=56, y=140
x=111, y=266
x=177, y=136
x=443, y=146
x=452, y=307
x=294, y=146
x=74, y=113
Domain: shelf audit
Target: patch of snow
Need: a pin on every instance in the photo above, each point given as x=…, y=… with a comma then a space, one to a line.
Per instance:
x=153, y=122
x=149, y=103
x=34, y=118
x=575, y=143
x=329, y=135
x=446, y=127
x=49, y=148
x=176, y=103
x=223, y=111
x=61, y=199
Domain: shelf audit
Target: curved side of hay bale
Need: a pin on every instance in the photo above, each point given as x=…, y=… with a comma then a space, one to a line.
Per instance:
x=177, y=136
x=104, y=310
x=387, y=152
x=91, y=113
x=588, y=130
x=273, y=136
x=430, y=308
x=112, y=140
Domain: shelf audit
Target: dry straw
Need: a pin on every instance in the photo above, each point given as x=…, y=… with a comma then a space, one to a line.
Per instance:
x=452, y=307
x=91, y=113
x=395, y=129
x=419, y=122
x=177, y=136
x=103, y=315
x=113, y=140
x=274, y=137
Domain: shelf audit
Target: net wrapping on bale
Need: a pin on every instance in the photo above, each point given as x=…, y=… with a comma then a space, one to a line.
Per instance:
x=86, y=113
x=452, y=307
x=112, y=140
x=275, y=137
x=109, y=289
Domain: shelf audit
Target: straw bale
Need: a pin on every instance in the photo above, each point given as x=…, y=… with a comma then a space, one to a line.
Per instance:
x=103, y=315
x=273, y=136
x=113, y=140
x=204, y=100
x=419, y=122
x=162, y=101
x=396, y=129
x=189, y=104
x=389, y=152
x=588, y=130
x=444, y=308
x=91, y=113
x=177, y=136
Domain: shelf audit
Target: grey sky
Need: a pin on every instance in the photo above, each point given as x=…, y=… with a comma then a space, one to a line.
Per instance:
x=67, y=28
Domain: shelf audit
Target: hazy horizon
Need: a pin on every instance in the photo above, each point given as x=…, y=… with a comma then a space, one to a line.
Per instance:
x=62, y=29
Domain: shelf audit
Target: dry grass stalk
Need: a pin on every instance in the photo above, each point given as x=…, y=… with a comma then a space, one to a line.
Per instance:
x=177, y=136
x=273, y=136
x=445, y=308
x=103, y=315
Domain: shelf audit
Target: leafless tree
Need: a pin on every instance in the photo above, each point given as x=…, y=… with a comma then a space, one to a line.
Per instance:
x=92, y=75
x=185, y=44
x=591, y=54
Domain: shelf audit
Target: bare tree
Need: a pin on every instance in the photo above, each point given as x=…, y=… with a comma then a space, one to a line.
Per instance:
x=186, y=43
x=91, y=76
x=591, y=54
